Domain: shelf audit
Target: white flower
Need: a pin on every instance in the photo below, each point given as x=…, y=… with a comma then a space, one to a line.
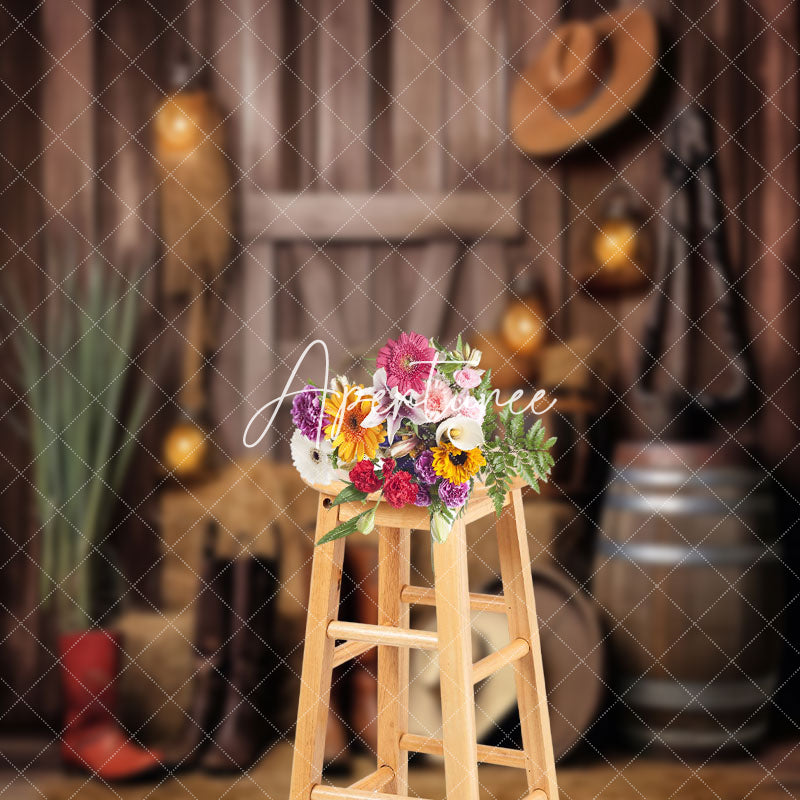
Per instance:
x=474, y=359
x=312, y=462
x=339, y=384
x=460, y=431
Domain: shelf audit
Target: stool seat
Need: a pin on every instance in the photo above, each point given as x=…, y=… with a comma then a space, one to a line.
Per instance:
x=412, y=517
x=331, y=642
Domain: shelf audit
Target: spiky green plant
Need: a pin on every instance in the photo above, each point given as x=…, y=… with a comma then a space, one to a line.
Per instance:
x=75, y=370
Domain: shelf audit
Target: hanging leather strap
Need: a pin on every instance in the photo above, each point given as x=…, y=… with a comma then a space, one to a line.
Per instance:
x=695, y=217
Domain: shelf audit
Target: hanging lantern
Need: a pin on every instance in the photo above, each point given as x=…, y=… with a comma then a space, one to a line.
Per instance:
x=185, y=450
x=508, y=371
x=196, y=218
x=183, y=121
x=197, y=228
x=524, y=325
x=620, y=249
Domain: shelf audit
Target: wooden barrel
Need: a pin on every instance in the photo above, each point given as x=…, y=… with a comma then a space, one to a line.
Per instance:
x=690, y=581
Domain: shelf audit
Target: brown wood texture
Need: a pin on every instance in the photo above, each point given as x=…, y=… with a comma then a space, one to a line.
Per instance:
x=394, y=572
x=522, y=623
x=385, y=217
x=315, y=681
x=310, y=103
x=486, y=754
x=20, y=255
x=455, y=665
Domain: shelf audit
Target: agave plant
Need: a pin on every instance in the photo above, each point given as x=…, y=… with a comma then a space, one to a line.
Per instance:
x=82, y=423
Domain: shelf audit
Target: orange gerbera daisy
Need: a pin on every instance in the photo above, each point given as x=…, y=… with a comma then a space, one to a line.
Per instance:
x=347, y=410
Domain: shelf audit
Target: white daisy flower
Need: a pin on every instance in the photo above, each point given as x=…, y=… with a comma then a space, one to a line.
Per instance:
x=312, y=462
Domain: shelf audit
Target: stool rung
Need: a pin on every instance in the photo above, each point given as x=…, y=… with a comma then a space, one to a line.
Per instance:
x=382, y=634
x=421, y=596
x=320, y=792
x=512, y=652
x=501, y=756
x=375, y=781
x=349, y=650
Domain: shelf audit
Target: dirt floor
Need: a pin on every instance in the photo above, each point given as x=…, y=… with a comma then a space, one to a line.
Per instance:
x=775, y=775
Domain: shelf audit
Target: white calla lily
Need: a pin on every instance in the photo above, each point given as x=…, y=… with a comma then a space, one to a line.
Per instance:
x=462, y=432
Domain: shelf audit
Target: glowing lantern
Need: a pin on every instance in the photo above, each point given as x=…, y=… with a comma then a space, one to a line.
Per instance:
x=620, y=250
x=524, y=327
x=185, y=450
x=508, y=371
x=183, y=121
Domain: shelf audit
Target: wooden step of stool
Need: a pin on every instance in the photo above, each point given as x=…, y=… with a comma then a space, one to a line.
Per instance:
x=393, y=638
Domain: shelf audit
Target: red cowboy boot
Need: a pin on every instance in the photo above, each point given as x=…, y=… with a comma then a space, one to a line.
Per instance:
x=93, y=739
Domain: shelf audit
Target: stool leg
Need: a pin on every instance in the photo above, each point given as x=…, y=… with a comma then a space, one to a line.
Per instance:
x=394, y=572
x=315, y=683
x=515, y=568
x=455, y=666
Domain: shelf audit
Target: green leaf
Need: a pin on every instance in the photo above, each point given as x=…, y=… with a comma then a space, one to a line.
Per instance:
x=517, y=427
x=349, y=495
x=343, y=529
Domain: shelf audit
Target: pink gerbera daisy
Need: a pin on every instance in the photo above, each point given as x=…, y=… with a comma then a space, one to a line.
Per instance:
x=408, y=362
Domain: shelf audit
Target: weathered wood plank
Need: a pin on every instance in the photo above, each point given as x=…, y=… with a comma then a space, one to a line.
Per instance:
x=389, y=216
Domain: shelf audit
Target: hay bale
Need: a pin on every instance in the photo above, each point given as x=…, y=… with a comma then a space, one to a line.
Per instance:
x=262, y=509
x=156, y=675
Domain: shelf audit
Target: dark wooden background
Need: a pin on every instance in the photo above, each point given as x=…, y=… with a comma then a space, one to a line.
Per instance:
x=80, y=81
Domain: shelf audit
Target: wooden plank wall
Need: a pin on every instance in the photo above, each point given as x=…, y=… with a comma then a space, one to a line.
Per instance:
x=22, y=214
x=364, y=96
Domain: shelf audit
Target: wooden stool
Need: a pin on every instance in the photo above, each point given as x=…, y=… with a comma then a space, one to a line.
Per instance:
x=393, y=637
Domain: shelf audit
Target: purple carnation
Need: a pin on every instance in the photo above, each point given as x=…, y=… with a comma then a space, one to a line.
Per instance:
x=307, y=410
x=423, y=466
x=423, y=497
x=454, y=495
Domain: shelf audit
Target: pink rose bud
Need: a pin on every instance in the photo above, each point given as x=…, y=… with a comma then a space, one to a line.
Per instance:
x=468, y=378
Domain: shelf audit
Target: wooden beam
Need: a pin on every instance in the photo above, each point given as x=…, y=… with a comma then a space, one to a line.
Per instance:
x=500, y=756
x=500, y=658
x=420, y=596
x=348, y=651
x=394, y=572
x=320, y=792
x=375, y=781
x=388, y=216
x=315, y=681
x=382, y=634
x=68, y=118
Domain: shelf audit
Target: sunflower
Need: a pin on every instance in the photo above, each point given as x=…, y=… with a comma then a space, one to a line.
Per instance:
x=456, y=466
x=347, y=410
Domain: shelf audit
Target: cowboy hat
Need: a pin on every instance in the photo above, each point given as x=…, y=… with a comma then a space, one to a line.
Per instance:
x=585, y=79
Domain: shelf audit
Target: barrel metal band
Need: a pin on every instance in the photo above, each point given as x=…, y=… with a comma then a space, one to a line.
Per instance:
x=670, y=554
x=678, y=738
x=636, y=476
x=665, y=694
x=693, y=504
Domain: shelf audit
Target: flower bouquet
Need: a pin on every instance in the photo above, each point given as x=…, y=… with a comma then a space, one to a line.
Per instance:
x=423, y=434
